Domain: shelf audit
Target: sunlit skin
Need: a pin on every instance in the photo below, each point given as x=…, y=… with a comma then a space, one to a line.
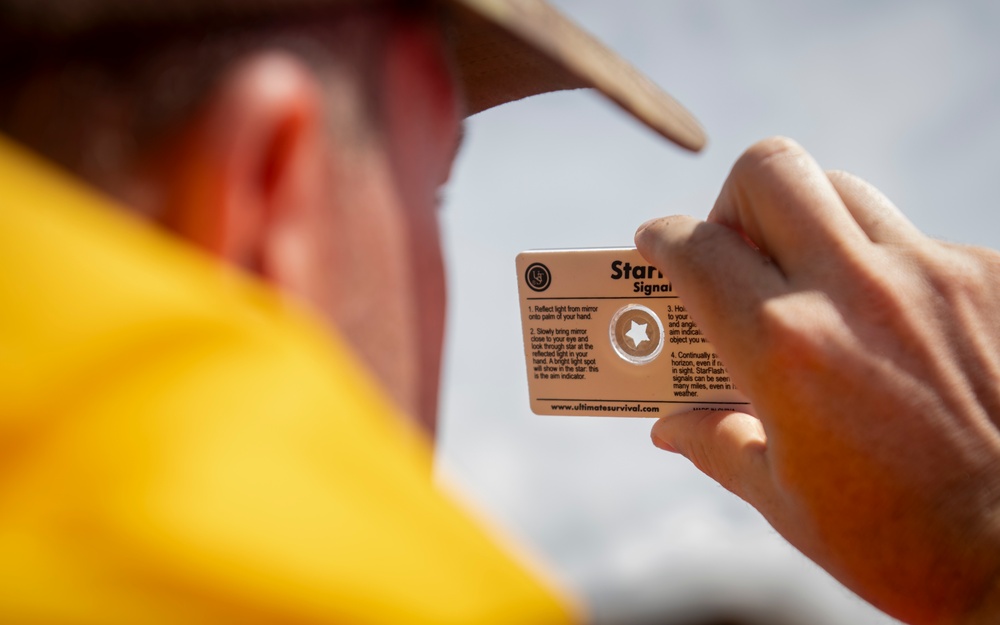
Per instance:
x=872, y=356
x=258, y=179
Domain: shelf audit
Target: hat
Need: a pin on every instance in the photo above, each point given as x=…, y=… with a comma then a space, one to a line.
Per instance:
x=511, y=49
x=505, y=49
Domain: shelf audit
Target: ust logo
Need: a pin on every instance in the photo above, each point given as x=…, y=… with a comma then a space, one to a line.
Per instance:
x=538, y=277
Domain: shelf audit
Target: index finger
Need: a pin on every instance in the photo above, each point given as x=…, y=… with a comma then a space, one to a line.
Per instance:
x=780, y=199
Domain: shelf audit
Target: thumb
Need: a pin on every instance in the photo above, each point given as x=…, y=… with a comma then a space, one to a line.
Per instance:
x=729, y=447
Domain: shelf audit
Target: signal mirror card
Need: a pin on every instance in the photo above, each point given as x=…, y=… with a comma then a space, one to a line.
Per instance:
x=605, y=335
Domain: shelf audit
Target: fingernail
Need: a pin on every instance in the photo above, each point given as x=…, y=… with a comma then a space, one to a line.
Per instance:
x=662, y=444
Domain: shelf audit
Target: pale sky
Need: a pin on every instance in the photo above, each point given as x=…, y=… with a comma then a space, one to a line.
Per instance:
x=903, y=93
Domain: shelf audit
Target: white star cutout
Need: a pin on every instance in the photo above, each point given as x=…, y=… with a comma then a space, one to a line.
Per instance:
x=637, y=333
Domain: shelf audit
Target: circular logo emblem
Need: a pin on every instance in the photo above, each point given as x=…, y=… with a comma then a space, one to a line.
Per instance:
x=538, y=277
x=636, y=334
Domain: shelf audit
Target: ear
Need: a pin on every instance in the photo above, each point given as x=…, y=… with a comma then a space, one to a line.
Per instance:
x=248, y=170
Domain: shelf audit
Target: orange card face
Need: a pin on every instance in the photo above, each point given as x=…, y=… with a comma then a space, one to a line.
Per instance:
x=605, y=335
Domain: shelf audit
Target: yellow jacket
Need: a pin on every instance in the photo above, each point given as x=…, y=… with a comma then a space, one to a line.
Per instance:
x=180, y=445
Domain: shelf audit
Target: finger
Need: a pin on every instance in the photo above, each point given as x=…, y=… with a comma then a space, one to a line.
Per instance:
x=722, y=280
x=729, y=447
x=874, y=212
x=780, y=198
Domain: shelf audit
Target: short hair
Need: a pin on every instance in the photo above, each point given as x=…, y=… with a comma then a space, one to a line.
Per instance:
x=110, y=93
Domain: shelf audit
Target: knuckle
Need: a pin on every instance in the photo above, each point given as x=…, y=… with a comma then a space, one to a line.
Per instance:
x=791, y=337
x=698, y=453
x=766, y=153
x=698, y=447
x=708, y=245
x=878, y=295
x=773, y=146
x=703, y=456
x=662, y=238
x=691, y=255
x=842, y=177
x=702, y=239
x=788, y=478
x=768, y=167
x=709, y=452
x=956, y=273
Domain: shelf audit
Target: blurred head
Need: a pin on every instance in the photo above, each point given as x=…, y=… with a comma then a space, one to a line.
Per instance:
x=306, y=150
x=303, y=140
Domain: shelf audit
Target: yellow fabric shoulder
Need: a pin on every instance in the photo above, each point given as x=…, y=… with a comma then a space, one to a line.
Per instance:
x=179, y=445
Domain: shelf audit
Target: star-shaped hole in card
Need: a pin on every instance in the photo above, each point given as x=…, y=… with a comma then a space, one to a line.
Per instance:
x=637, y=333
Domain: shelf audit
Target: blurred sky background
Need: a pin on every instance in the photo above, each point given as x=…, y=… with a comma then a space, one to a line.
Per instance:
x=904, y=93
